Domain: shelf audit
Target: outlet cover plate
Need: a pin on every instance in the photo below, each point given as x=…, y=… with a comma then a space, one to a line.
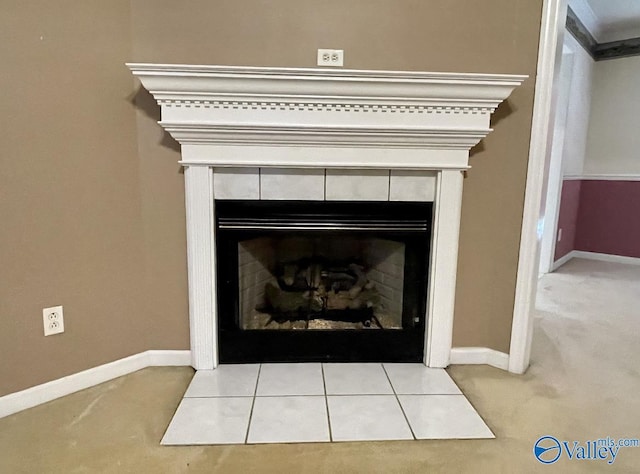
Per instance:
x=53, y=320
x=331, y=57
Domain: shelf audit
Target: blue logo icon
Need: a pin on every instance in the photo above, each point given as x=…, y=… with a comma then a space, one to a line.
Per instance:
x=547, y=450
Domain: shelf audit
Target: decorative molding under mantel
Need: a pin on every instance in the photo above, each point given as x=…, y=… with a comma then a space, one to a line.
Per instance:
x=380, y=137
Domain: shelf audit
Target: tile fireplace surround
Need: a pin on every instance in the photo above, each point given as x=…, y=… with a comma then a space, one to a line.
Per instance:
x=282, y=133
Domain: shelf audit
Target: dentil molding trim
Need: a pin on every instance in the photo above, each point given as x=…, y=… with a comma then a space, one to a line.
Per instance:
x=318, y=108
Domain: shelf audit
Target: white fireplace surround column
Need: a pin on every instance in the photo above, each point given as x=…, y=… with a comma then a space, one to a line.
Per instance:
x=256, y=117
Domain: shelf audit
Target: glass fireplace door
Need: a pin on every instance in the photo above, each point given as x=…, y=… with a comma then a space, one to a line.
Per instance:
x=322, y=281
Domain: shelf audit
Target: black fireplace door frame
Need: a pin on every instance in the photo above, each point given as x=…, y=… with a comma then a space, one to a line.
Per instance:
x=407, y=222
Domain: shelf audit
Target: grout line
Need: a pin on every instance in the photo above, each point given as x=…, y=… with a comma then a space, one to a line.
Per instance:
x=398, y=400
x=362, y=395
x=326, y=403
x=218, y=396
x=308, y=395
x=253, y=402
x=385, y=395
x=431, y=394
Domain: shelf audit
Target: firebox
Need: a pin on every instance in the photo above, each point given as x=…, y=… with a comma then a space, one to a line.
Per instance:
x=322, y=281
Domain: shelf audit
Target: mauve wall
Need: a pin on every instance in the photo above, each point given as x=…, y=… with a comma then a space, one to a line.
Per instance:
x=599, y=216
x=568, y=217
x=608, y=218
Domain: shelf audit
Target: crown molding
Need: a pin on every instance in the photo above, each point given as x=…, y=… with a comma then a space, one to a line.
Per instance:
x=588, y=18
x=599, y=51
x=580, y=32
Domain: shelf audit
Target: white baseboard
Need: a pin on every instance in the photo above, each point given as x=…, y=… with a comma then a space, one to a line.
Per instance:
x=479, y=355
x=159, y=358
x=602, y=257
x=604, y=177
x=18, y=401
x=562, y=260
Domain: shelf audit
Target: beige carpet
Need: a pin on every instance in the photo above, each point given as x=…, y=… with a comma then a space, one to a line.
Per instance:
x=583, y=384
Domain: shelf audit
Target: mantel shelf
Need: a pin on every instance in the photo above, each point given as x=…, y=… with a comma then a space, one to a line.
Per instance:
x=339, y=109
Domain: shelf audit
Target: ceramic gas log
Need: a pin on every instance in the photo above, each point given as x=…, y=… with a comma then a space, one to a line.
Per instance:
x=321, y=290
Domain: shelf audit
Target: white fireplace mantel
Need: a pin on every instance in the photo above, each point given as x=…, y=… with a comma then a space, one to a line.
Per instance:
x=250, y=117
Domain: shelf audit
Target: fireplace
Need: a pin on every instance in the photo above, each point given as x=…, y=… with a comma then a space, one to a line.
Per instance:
x=322, y=281
x=321, y=136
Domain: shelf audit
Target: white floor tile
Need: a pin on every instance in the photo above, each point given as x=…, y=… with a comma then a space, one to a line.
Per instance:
x=233, y=380
x=289, y=420
x=290, y=379
x=290, y=405
x=209, y=421
x=443, y=417
x=356, y=379
x=366, y=418
x=416, y=379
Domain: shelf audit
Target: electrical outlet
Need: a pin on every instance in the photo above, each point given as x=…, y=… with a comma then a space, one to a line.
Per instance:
x=330, y=57
x=559, y=235
x=53, y=320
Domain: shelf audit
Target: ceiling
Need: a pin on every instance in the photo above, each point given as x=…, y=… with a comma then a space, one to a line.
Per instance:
x=611, y=20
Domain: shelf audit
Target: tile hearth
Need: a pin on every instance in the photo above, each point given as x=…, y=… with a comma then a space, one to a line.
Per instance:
x=313, y=402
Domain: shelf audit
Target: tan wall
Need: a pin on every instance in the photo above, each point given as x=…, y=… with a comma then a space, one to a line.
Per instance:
x=500, y=36
x=92, y=196
x=76, y=228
